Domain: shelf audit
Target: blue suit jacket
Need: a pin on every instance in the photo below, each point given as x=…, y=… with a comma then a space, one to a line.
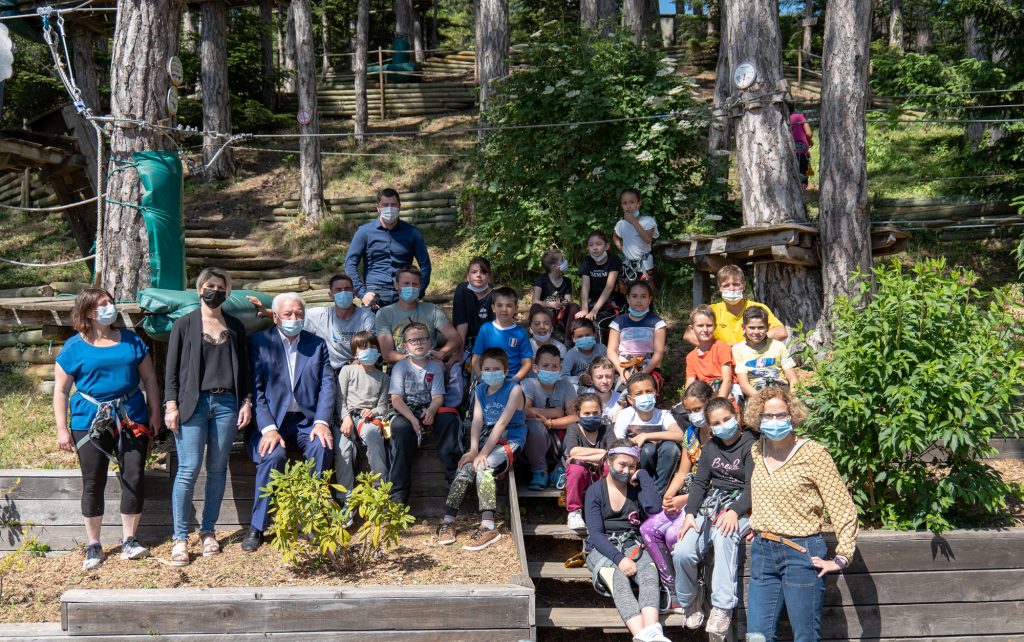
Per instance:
x=271, y=385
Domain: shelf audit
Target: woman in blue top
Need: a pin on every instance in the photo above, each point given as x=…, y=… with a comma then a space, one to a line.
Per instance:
x=106, y=364
x=498, y=431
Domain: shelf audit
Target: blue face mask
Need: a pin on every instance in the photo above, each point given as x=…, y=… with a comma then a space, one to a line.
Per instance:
x=639, y=313
x=697, y=419
x=492, y=377
x=106, y=314
x=592, y=423
x=291, y=327
x=563, y=267
x=369, y=356
x=409, y=294
x=727, y=430
x=548, y=377
x=776, y=429
x=586, y=343
x=343, y=299
x=644, y=403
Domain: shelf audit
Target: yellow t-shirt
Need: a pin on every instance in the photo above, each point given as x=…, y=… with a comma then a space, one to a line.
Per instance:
x=729, y=326
x=767, y=363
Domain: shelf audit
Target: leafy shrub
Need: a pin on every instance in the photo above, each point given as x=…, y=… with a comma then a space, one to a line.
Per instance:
x=309, y=526
x=32, y=89
x=918, y=381
x=548, y=185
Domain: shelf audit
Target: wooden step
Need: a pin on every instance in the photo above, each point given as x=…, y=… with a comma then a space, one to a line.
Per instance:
x=240, y=264
x=215, y=243
x=547, y=492
x=550, y=530
x=591, y=618
x=557, y=571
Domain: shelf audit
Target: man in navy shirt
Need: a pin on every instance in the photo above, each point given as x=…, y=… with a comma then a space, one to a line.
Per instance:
x=384, y=245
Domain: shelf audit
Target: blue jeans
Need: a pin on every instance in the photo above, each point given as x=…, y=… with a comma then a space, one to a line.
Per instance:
x=781, y=576
x=689, y=551
x=212, y=428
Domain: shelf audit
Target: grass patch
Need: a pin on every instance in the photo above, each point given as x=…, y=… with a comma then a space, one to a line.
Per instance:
x=37, y=238
x=28, y=438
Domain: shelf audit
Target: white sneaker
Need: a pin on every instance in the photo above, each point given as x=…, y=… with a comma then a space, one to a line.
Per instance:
x=576, y=522
x=651, y=633
x=131, y=549
x=694, y=617
x=718, y=621
x=93, y=557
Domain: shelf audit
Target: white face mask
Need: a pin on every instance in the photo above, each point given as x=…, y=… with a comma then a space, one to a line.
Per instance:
x=732, y=296
x=106, y=314
x=389, y=214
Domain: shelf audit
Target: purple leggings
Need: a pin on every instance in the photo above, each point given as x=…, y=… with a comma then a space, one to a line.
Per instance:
x=654, y=532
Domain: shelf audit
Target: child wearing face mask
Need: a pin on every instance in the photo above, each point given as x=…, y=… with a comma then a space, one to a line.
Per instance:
x=600, y=273
x=729, y=311
x=760, y=360
x=636, y=339
x=550, y=410
x=542, y=324
x=498, y=431
x=584, y=351
x=614, y=509
x=711, y=361
x=602, y=376
x=552, y=291
x=363, y=404
x=717, y=514
x=634, y=234
x=653, y=430
x=586, y=444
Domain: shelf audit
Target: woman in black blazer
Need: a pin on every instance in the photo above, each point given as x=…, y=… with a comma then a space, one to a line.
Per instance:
x=207, y=400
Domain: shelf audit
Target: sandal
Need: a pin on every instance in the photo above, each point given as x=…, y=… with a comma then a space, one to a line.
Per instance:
x=211, y=546
x=179, y=554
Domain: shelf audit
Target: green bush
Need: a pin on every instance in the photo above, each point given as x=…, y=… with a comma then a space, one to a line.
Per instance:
x=541, y=186
x=383, y=519
x=918, y=381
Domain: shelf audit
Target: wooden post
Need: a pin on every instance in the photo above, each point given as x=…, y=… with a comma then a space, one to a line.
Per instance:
x=380, y=79
x=800, y=68
x=701, y=286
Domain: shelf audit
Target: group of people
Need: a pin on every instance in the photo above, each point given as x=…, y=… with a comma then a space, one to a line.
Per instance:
x=574, y=395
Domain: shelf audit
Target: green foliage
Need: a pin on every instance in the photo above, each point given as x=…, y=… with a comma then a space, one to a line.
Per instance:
x=919, y=379
x=32, y=89
x=309, y=526
x=547, y=185
x=383, y=519
x=304, y=508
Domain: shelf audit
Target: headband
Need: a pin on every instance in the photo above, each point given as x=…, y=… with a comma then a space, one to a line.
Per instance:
x=632, y=451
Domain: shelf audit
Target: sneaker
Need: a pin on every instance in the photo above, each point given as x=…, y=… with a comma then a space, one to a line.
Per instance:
x=93, y=557
x=539, y=481
x=576, y=522
x=132, y=550
x=718, y=622
x=693, y=616
x=446, y=533
x=651, y=633
x=556, y=476
x=482, y=538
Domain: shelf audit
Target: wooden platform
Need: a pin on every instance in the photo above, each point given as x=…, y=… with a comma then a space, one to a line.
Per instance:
x=55, y=311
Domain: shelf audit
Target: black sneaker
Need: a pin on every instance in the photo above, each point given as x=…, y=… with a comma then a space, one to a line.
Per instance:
x=252, y=540
x=93, y=557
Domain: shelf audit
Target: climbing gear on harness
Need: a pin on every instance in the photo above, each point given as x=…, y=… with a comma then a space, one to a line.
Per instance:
x=111, y=417
x=628, y=543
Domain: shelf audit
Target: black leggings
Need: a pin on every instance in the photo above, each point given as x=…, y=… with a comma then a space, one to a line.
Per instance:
x=131, y=457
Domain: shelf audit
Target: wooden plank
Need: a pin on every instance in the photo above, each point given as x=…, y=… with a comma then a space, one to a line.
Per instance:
x=183, y=614
x=51, y=632
x=594, y=617
x=726, y=244
x=795, y=256
x=524, y=492
x=1008, y=448
x=517, y=528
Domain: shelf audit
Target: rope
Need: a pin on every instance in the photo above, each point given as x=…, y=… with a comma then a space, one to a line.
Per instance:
x=44, y=265
x=56, y=208
x=323, y=153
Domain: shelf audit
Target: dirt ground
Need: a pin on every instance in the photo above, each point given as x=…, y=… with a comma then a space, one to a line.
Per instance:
x=32, y=593
x=1012, y=470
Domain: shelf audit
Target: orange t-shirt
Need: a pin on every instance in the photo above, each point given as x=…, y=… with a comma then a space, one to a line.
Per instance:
x=708, y=366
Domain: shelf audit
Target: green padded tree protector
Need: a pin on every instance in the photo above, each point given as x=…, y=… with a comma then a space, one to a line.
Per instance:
x=163, y=184
x=165, y=306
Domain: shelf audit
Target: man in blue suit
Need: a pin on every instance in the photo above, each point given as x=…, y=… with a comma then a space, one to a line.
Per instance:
x=293, y=392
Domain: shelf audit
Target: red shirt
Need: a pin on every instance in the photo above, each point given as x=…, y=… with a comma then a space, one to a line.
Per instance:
x=708, y=366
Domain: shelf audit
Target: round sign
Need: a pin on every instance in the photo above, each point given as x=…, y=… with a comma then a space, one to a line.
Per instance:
x=172, y=101
x=304, y=116
x=175, y=71
x=745, y=75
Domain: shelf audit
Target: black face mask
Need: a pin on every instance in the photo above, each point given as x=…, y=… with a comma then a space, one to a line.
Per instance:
x=214, y=298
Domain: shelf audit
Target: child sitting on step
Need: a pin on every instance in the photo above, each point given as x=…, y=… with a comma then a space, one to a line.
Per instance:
x=586, y=444
x=614, y=509
x=498, y=432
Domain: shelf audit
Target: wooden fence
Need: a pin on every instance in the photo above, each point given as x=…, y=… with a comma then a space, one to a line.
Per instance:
x=953, y=220
x=425, y=209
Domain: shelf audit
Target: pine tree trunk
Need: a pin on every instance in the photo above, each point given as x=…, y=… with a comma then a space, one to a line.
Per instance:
x=267, y=54
x=923, y=35
x=362, y=31
x=404, y=22
x=83, y=60
x=325, y=44
x=290, y=80
x=844, y=221
x=138, y=87
x=492, y=31
x=718, y=136
x=417, y=36
x=808, y=42
x=896, y=25
x=976, y=49
x=189, y=30
x=312, y=192
x=636, y=18
x=595, y=13
x=766, y=159
x=279, y=29
x=213, y=45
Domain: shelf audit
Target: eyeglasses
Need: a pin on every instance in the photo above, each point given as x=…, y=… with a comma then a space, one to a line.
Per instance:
x=769, y=416
x=417, y=340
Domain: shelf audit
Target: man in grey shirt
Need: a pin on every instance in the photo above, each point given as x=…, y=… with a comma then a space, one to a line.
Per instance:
x=337, y=324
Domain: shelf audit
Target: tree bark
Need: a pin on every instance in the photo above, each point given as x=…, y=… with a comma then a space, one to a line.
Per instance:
x=718, y=136
x=138, y=86
x=83, y=61
x=309, y=145
x=325, y=43
x=976, y=49
x=808, y=42
x=923, y=35
x=896, y=25
x=766, y=160
x=844, y=221
x=279, y=29
x=636, y=18
x=417, y=36
x=492, y=31
x=189, y=30
x=267, y=54
x=404, y=21
x=598, y=13
x=290, y=66
x=213, y=47
x=360, y=47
